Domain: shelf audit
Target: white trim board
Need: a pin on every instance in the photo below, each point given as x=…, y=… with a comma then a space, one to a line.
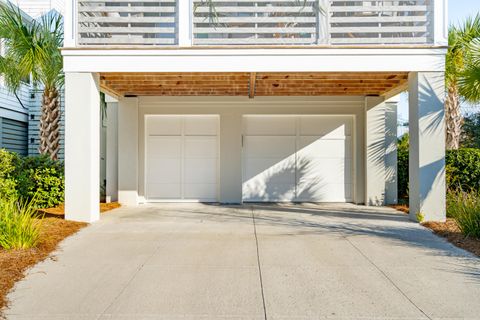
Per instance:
x=256, y=60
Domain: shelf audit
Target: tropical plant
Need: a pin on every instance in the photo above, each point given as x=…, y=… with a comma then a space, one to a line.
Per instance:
x=32, y=49
x=458, y=73
x=464, y=207
x=19, y=229
x=469, y=82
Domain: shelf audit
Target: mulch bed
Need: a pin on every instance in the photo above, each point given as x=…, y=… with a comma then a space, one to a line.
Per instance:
x=14, y=263
x=400, y=207
x=60, y=210
x=452, y=233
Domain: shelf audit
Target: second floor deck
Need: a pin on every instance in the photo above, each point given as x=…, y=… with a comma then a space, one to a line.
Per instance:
x=188, y=23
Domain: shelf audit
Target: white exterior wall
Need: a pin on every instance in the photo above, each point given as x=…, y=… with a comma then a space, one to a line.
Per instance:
x=112, y=155
x=128, y=151
x=230, y=110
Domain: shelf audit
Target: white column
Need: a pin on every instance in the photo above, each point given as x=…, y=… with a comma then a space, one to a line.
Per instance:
x=82, y=147
x=112, y=148
x=440, y=22
x=375, y=151
x=427, y=146
x=185, y=16
x=128, y=151
x=391, y=189
x=231, y=158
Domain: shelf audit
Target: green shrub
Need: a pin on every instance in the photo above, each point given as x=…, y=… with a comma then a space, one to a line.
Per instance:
x=7, y=167
x=402, y=154
x=463, y=169
x=18, y=227
x=464, y=207
x=43, y=178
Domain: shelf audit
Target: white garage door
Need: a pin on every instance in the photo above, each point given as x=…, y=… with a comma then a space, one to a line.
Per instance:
x=181, y=158
x=297, y=158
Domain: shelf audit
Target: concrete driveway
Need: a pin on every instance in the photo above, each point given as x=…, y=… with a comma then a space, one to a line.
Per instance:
x=252, y=262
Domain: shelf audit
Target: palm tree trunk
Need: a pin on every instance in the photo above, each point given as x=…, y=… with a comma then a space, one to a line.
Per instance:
x=50, y=123
x=453, y=118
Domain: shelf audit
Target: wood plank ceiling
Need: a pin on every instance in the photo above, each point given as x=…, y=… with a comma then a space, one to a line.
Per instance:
x=253, y=84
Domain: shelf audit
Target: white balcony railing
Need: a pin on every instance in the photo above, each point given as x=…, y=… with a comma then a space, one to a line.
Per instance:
x=260, y=22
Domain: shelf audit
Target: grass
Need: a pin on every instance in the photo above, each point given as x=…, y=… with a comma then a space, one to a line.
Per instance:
x=464, y=207
x=18, y=227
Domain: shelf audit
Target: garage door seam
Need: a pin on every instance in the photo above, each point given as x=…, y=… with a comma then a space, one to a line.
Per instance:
x=388, y=278
x=258, y=263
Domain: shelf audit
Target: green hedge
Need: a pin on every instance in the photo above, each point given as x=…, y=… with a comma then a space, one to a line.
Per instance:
x=462, y=168
x=26, y=177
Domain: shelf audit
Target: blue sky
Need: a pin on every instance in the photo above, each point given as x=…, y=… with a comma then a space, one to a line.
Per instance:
x=458, y=10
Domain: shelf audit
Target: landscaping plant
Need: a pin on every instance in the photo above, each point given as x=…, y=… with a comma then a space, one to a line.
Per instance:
x=464, y=207
x=32, y=50
x=19, y=229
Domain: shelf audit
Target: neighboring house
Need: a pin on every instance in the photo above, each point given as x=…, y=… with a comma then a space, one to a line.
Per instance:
x=38, y=8
x=19, y=126
x=269, y=101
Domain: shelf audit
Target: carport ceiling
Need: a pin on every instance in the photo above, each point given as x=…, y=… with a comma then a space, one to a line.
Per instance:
x=253, y=84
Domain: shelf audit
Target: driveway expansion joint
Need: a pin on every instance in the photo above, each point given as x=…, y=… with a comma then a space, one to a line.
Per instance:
x=258, y=263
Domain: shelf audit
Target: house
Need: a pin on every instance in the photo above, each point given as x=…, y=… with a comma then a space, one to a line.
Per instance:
x=266, y=100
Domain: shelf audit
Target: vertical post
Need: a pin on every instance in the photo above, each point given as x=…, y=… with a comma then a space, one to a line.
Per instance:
x=439, y=15
x=231, y=158
x=70, y=18
x=391, y=189
x=427, y=146
x=82, y=147
x=112, y=148
x=185, y=23
x=375, y=151
x=128, y=151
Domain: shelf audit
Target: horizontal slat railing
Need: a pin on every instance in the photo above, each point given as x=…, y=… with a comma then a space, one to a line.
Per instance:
x=127, y=22
x=256, y=22
x=259, y=22
x=380, y=22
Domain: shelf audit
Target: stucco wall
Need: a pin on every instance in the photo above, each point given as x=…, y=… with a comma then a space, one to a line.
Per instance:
x=231, y=110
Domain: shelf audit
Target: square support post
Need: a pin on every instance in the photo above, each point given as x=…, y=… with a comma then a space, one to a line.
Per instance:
x=391, y=157
x=82, y=147
x=427, y=146
x=112, y=148
x=375, y=151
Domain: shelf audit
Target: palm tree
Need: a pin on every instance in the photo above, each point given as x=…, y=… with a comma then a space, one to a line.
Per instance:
x=469, y=81
x=459, y=61
x=32, y=49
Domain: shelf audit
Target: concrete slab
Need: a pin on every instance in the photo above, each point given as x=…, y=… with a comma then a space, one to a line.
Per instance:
x=198, y=261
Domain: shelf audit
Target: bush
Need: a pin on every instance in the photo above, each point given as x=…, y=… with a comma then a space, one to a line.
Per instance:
x=464, y=207
x=463, y=169
x=41, y=177
x=7, y=167
x=402, y=169
x=18, y=227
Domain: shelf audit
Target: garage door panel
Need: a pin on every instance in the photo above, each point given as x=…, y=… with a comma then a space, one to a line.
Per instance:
x=201, y=147
x=200, y=170
x=314, y=164
x=329, y=126
x=329, y=192
x=164, y=170
x=164, y=190
x=164, y=125
x=269, y=125
x=268, y=192
x=201, y=125
x=182, y=158
x=325, y=171
x=324, y=148
x=164, y=147
x=201, y=191
x=269, y=147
